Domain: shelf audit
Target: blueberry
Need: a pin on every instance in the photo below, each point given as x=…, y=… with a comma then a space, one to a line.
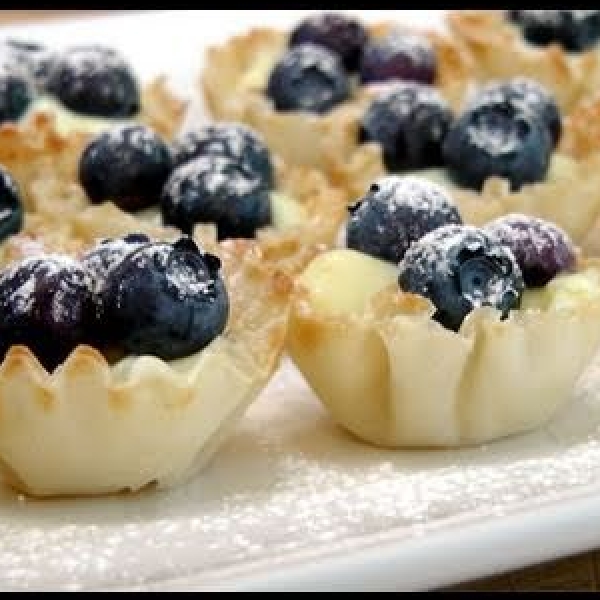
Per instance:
x=497, y=138
x=215, y=189
x=231, y=140
x=541, y=248
x=398, y=55
x=530, y=95
x=308, y=78
x=409, y=120
x=45, y=304
x=11, y=205
x=128, y=165
x=33, y=59
x=16, y=93
x=165, y=299
x=574, y=30
x=395, y=212
x=337, y=32
x=460, y=268
x=94, y=80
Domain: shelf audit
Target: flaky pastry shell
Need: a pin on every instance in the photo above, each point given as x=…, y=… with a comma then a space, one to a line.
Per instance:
x=235, y=75
x=395, y=378
x=91, y=427
x=499, y=50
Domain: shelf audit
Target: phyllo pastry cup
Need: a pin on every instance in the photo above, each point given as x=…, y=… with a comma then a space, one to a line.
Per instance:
x=98, y=426
x=394, y=377
x=233, y=82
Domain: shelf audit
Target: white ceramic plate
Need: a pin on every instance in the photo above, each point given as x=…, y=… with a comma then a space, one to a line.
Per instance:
x=291, y=502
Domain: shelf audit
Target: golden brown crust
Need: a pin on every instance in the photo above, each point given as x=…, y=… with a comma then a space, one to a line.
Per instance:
x=396, y=378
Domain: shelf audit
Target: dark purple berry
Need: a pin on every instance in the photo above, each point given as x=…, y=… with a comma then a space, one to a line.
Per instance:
x=497, y=138
x=337, y=32
x=45, y=304
x=530, y=95
x=215, y=189
x=541, y=248
x=410, y=121
x=231, y=140
x=398, y=55
x=11, y=205
x=128, y=165
x=308, y=78
x=574, y=30
x=16, y=93
x=33, y=59
x=165, y=299
x=460, y=268
x=395, y=212
x=94, y=80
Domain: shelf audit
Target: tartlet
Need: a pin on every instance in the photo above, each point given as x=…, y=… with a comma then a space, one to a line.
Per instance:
x=394, y=377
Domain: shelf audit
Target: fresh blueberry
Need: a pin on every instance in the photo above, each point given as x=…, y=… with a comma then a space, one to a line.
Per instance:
x=165, y=299
x=460, y=268
x=308, y=78
x=530, y=95
x=231, y=140
x=126, y=164
x=409, y=120
x=395, y=212
x=11, y=205
x=574, y=30
x=337, y=32
x=33, y=59
x=398, y=55
x=215, y=189
x=94, y=80
x=497, y=138
x=45, y=304
x=541, y=248
x=16, y=93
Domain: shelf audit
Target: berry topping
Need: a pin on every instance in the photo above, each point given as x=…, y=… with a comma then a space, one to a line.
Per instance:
x=16, y=93
x=308, y=78
x=215, y=189
x=128, y=165
x=541, y=248
x=460, y=268
x=164, y=299
x=94, y=80
x=45, y=304
x=574, y=30
x=395, y=212
x=500, y=138
x=398, y=55
x=11, y=205
x=409, y=120
x=337, y=32
x=34, y=60
x=231, y=140
x=530, y=95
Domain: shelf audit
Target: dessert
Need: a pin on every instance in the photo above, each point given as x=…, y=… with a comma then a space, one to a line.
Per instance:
x=468, y=335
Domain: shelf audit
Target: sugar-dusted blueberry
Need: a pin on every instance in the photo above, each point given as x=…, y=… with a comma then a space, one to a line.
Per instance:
x=94, y=80
x=541, y=247
x=410, y=121
x=11, y=205
x=32, y=58
x=308, y=78
x=398, y=55
x=342, y=34
x=231, y=140
x=395, y=212
x=460, y=268
x=16, y=93
x=574, y=30
x=497, y=138
x=216, y=189
x=126, y=164
x=528, y=93
x=165, y=299
x=45, y=304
